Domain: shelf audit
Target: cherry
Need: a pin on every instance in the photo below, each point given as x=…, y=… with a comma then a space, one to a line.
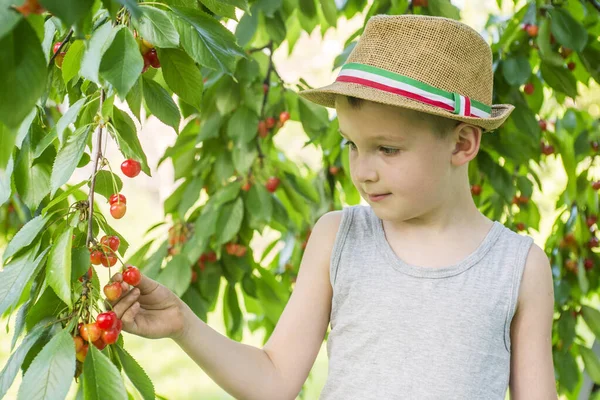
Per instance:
x=201, y=265
x=117, y=198
x=520, y=226
x=420, y=3
x=571, y=265
x=532, y=30
x=333, y=170
x=58, y=60
x=552, y=39
x=596, y=185
x=284, y=116
x=246, y=186
x=56, y=47
x=152, y=58
x=90, y=332
x=132, y=275
x=543, y=124
x=570, y=238
x=593, y=242
x=595, y=145
x=547, y=149
x=529, y=88
x=113, y=291
x=270, y=122
x=78, y=343
x=100, y=345
x=272, y=184
x=30, y=7
x=241, y=250
x=117, y=210
x=108, y=260
x=265, y=88
x=146, y=65
x=90, y=273
x=211, y=256
x=111, y=242
x=110, y=336
x=96, y=257
x=131, y=168
x=231, y=248
x=106, y=320
x=475, y=190
x=588, y=264
x=571, y=66
x=591, y=220
x=82, y=353
x=263, y=132
x=194, y=276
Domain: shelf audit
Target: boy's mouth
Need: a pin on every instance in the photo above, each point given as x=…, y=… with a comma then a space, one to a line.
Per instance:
x=378, y=197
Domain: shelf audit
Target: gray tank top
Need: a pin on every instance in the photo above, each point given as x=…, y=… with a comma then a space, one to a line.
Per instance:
x=400, y=331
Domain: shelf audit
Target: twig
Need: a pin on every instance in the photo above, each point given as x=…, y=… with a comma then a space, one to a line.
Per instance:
x=595, y=4
x=62, y=44
x=97, y=156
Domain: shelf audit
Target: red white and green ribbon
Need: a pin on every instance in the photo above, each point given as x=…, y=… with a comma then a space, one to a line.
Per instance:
x=391, y=82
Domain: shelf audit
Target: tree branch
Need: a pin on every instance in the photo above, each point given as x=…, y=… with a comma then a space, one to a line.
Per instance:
x=62, y=44
x=97, y=155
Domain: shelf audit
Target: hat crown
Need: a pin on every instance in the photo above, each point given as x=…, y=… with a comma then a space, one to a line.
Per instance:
x=438, y=51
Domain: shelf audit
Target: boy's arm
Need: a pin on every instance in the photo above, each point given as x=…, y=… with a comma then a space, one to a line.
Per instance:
x=278, y=370
x=532, y=368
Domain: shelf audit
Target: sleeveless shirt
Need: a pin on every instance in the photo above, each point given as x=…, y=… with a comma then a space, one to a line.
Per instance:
x=401, y=331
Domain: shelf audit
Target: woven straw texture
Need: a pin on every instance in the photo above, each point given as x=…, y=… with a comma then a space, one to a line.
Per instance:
x=438, y=51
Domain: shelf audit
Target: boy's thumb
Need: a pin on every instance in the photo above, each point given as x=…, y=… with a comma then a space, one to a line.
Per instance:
x=147, y=285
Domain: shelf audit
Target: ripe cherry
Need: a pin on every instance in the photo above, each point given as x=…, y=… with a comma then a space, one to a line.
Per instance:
x=532, y=30
x=547, y=149
x=284, y=116
x=132, y=275
x=110, y=242
x=475, y=190
x=194, y=276
x=588, y=264
x=272, y=184
x=571, y=265
x=78, y=343
x=241, y=250
x=543, y=124
x=110, y=336
x=90, y=273
x=596, y=185
x=30, y=7
x=571, y=66
x=117, y=210
x=591, y=220
x=211, y=256
x=231, y=248
x=56, y=47
x=333, y=170
x=109, y=259
x=520, y=226
x=270, y=122
x=529, y=88
x=595, y=145
x=146, y=65
x=246, y=186
x=593, y=242
x=82, y=353
x=420, y=3
x=100, y=345
x=113, y=291
x=96, y=257
x=90, y=332
x=152, y=58
x=265, y=88
x=117, y=198
x=58, y=60
x=131, y=168
x=106, y=320
x=263, y=131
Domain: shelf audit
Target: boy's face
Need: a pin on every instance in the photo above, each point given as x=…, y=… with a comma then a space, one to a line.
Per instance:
x=397, y=164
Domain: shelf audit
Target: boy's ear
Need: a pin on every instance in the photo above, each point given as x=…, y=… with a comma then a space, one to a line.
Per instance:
x=468, y=140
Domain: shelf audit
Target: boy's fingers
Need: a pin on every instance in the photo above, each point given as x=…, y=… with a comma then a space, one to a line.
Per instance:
x=147, y=285
x=125, y=302
x=118, y=277
x=128, y=318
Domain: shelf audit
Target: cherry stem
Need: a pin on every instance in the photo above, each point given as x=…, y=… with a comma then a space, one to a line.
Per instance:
x=97, y=156
x=63, y=43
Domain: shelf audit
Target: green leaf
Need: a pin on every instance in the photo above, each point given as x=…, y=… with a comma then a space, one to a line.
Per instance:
x=590, y=58
x=176, y=275
x=219, y=8
x=547, y=52
x=8, y=20
x=161, y=104
x=69, y=11
x=7, y=144
x=126, y=136
x=101, y=378
x=190, y=195
x=22, y=73
x=182, y=75
x=259, y=204
x=5, y=180
x=16, y=274
x=32, y=181
x=443, y=8
x=58, y=269
x=133, y=7
x=134, y=98
x=243, y=125
x=68, y=157
x=207, y=41
x=308, y=8
x=25, y=236
x=72, y=60
x=230, y=221
x=329, y=11
x=567, y=30
x=136, y=374
x=591, y=316
x=516, y=70
x=61, y=197
x=156, y=27
x=232, y=313
x=95, y=49
x=559, y=78
x=80, y=262
x=243, y=157
x=68, y=118
x=591, y=362
x=104, y=183
x=122, y=62
x=50, y=374
x=13, y=365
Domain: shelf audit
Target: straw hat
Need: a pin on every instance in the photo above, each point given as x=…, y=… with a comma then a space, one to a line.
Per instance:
x=431, y=64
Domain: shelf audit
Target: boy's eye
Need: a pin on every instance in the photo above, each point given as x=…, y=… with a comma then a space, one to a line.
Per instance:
x=389, y=150
x=349, y=143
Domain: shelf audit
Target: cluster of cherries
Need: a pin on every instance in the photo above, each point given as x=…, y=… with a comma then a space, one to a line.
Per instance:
x=269, y=123
x=271, y=184
x=118, y=202
x=104, y=331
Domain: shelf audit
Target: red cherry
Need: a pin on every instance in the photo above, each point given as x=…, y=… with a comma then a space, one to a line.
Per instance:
x=108, y=259
x=194, y=276
x=90, y=273
x=591, y=220
x=588, y=264
x=146, y=65
x=82, y=353
x=270, y=122
x=571, y=66
x=78, y=343
x=110, y=336
x=241, y=250
x=520, y=226
x=56, y=47
x=100, y=345
x=265, y=88
x=475, y=190
x=211, y=257
x=90, y=332
x=570, y=238
x=96, y=257
x=132, y=275
x=571, y=265
x=201, y=265
x=272, y=184
x=110, y=242
x=113, y=291
x=596, y=185
x=106, y=320
x=543, y=124
x=231, y=248
x=595, y=145
x=420, y=3
x=263, y=131
x=284, y=116
x=117, y=198
x=131, y=168
x=246, y=186
x=532, y=30
x=547, y=149
x=152, y=58
x=529, y=88
x=117, y=210
x=333, y=170
x=593, y=242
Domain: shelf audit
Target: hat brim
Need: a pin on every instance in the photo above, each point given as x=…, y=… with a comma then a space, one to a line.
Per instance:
x=326, y=95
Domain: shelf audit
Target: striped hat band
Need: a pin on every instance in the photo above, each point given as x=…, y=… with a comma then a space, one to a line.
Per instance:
x=387, y=81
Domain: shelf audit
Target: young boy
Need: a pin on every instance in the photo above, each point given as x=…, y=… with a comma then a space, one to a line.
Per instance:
x=427, y=298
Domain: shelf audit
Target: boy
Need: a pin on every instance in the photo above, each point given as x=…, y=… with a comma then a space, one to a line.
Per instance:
x=427, y=298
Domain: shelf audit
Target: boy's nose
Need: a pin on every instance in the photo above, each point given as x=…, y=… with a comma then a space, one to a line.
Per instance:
x=364, y=170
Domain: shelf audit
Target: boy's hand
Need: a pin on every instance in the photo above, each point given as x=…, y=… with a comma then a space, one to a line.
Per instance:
x=150, y=310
